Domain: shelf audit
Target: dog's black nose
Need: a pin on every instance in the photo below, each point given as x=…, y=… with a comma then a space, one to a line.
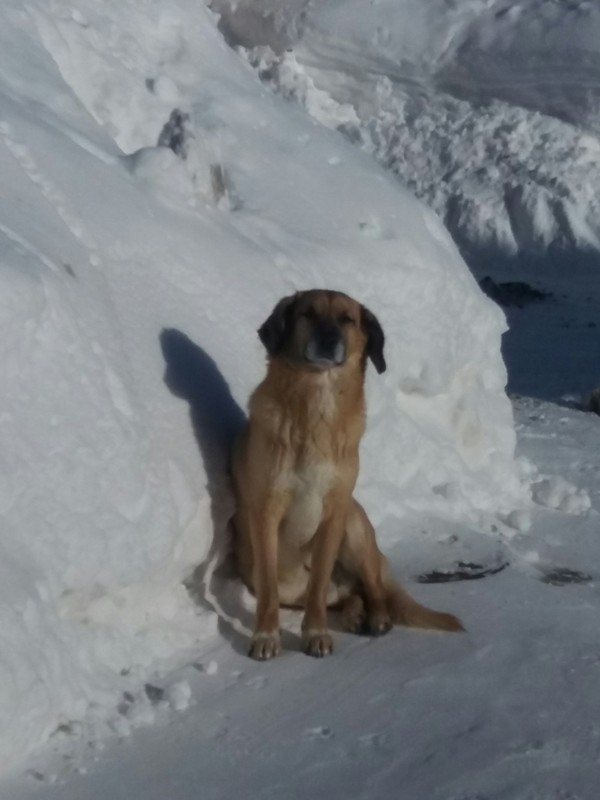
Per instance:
x=326, y=345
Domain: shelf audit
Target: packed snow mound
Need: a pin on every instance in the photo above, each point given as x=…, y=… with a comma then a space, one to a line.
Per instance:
x=133, y=276
x=470, y=104
x=498, y=175
x=541, y=55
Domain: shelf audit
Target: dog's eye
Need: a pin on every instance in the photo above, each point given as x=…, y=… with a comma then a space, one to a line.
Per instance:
x=345, y=319
x=310, y=313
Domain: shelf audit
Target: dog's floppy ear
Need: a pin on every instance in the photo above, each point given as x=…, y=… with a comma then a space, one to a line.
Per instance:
x=375, y=339
x=274, y=330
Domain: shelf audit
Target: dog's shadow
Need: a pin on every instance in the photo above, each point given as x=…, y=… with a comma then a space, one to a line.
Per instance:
x=216, y=418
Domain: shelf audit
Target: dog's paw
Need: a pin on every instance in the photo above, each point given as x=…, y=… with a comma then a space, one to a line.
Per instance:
x=317, y=643
x=378, y=624
x=264, y=646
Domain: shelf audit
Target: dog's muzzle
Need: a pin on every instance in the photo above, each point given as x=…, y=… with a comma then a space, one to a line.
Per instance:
x=326, y=346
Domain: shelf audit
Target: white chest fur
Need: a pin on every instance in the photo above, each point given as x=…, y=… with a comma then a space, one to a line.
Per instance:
x=325, y=397
x=308, y=489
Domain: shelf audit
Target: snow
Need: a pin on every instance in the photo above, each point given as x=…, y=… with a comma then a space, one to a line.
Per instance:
x=559, y=494
x=122, y=259
x=505, y=710
x=158, y=199
x=179, y=694
x=487, y=111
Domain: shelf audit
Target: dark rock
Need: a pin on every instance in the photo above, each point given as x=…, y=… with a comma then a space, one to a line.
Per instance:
x=512, y=293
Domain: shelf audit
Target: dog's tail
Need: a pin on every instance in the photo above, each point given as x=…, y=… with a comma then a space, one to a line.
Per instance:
x=404, y=610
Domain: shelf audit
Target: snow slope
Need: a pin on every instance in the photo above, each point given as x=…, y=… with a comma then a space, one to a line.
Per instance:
x=488, y=111
x=123, y=263
x=504, y=712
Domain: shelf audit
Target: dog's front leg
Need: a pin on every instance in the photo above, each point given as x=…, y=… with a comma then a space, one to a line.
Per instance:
x=316, y=638
x=264, y=532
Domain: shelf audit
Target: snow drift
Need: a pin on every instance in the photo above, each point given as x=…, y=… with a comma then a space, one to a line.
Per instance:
x=488, y=111
x=132, y=281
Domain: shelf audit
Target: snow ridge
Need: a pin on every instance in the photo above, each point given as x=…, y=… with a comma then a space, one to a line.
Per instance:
x=497, y=174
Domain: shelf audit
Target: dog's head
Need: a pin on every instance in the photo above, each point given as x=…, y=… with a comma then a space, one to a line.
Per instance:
x=321, y=330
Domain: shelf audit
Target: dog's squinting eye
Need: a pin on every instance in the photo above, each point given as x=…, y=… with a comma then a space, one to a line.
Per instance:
x=345, y=319
x=310, y=313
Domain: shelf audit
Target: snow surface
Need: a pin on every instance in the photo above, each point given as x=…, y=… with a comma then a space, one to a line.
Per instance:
x=123, y=263
x=487, y=109
x=505, y=711
x=133, y=279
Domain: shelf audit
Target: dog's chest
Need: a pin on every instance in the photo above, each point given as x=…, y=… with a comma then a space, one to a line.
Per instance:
x=324, y=400
x=308, y=489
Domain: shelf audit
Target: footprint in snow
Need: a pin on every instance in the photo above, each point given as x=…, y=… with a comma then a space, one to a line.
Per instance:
x=372, y=740
x=320, y=732
x=257, y=683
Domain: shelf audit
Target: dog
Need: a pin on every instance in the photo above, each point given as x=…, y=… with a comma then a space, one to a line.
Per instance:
x=301, y=539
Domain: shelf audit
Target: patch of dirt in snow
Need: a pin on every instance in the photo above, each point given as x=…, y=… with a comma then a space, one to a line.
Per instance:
x=465, y=571
x=513, y=293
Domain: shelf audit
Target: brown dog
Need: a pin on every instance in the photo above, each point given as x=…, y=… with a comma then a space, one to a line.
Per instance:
x=301, y=538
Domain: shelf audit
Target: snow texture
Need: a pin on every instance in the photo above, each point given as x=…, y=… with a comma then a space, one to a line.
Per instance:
x=504, y=711
x=488, y=111
x=157, y=201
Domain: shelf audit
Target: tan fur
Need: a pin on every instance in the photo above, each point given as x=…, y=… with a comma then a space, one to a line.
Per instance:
x=301, y=538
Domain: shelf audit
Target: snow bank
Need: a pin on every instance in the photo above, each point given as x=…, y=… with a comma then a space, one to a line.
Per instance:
x=498, y=175
x=122, y=264
x=472, y=105
x=538, y=55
